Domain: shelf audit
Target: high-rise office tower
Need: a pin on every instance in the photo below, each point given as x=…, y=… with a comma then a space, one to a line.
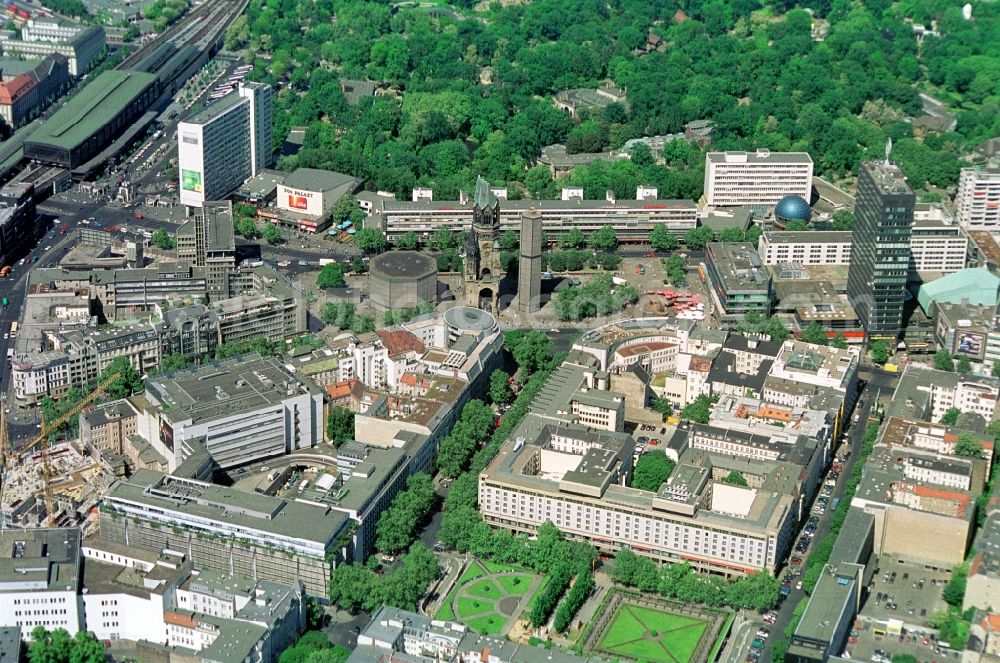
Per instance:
x=880, y=254
x=224, y=144
x=529, y=274
x=207, y=240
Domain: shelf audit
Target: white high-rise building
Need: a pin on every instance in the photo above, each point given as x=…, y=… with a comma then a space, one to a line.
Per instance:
x=978, y=199
x=224, y=144
x=756, y=178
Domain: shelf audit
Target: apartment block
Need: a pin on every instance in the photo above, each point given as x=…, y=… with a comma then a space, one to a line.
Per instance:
x=925, y=394
x=978, y=199
x=759, y=178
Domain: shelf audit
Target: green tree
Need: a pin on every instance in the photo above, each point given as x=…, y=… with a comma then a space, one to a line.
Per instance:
x=344, y=207
x=661, y=239
x=699, y=410
x=173, y=362
x=246, y=228
x=950, y=417
x=531, y=350
x=408, y=241
x=814, y=333
x=397, y=526
x=963, y=365
x=572, y=239
x=331, y=276
x=879, y=352
x=954, y=591
x=474, y=423
x=731, y=235
x=58, y=647
x=370, y=240
x=675, y=268
x=796, y=225
x=443, y=238
x=967, y=445
x=943, y=361
x=271, y=234
x=161, y=239
x=995, y=371
x=904, y=658
x=734, y=478
x=697, y=238
x=663, y=405
x=339, y=425
x=843, y=220
x=509, y=241
x=500, y=391
x=839, y=341
x=127, y=382
x=776, y=329
x=652, y=469
x=605, y=239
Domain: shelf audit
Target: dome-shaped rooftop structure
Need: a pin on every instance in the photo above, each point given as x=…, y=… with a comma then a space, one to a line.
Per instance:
x=792, y=208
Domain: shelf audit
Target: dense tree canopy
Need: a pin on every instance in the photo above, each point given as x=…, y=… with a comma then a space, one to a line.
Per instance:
x=476, y=86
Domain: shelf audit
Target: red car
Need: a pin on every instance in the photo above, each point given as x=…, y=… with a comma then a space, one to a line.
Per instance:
x=650, y=255
x=138, y=216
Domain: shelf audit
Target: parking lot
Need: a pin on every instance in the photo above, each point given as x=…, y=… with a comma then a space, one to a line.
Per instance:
x=920, y=644
x=912, y=595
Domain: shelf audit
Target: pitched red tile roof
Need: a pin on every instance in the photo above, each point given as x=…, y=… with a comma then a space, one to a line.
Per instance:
x=400, y=342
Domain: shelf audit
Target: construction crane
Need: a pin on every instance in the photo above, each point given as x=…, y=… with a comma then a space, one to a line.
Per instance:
x=42, y=442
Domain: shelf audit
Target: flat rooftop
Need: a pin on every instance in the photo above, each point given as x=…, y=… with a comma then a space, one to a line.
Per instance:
x=100, y=101
x=244, y=511
x=738, y=265
x=214, y=110
x=758, y=157
x=40, y=560
x=224, y=388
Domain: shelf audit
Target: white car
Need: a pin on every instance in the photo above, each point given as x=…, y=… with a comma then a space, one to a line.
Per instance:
x=6, y=336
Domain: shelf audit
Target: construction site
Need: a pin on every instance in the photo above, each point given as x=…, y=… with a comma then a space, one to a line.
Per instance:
x=50, y=483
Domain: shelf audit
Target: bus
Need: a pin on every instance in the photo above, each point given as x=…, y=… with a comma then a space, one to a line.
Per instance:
x=13, y=329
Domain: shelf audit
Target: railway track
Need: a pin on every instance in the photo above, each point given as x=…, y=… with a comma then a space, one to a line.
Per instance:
x=190, y=30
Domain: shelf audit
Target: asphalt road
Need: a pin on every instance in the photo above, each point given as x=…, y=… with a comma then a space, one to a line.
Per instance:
x=879, y=382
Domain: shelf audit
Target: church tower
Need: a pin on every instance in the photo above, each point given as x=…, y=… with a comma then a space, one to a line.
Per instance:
x=482, y=259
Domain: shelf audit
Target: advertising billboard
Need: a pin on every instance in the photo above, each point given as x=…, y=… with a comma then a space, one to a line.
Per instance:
x=969, y=344
x=191, y=180
x=297, y=202
x=166, y=434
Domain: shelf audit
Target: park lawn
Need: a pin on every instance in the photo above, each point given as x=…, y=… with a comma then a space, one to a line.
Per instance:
x=445, y=612
x=516, y=585
x=489, y=625
x=624, y=628
x=474, y=571
x=496, y=567
x=468, y=607
x=485, y=588
x=660, y=621
x=627, y=635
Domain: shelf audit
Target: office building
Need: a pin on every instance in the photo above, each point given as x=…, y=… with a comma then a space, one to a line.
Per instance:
x=207, y=241
x=29, y=85
x=79, y=44
x=40, y=579
x=739, y=284
x=966, y=330
x=17, y=220
x=225, y=530
x=881, y=254
x=241, y=409
x=224, y=144
x=978, y=198
x=632, y=220
x=935, y=247
x=760, y=178
x=529, y=273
